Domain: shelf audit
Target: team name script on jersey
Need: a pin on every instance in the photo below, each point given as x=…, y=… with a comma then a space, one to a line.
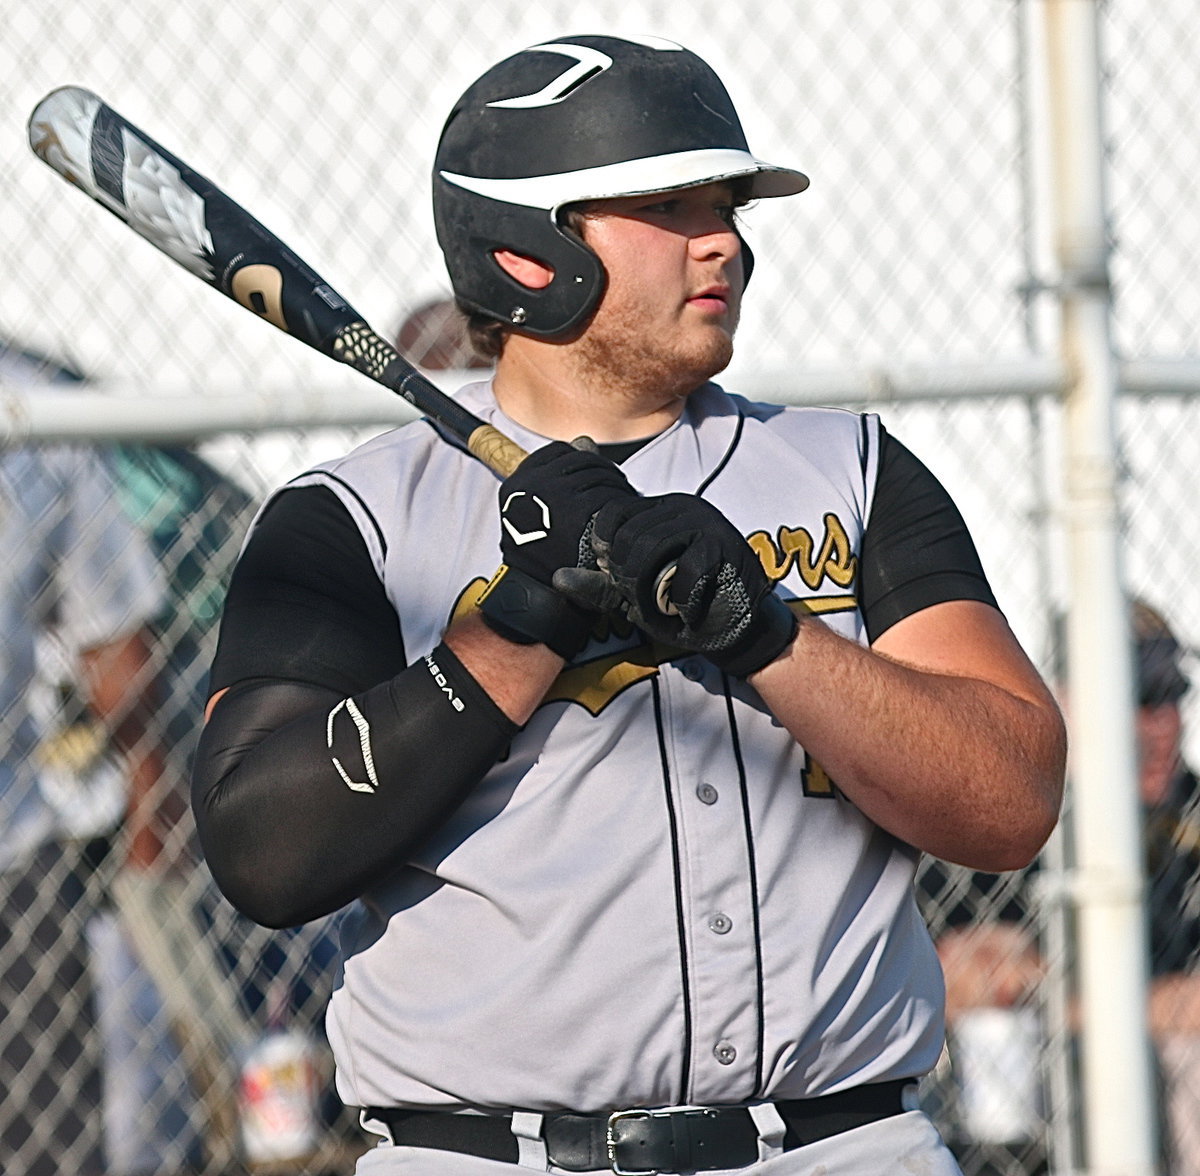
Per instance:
x=794, y=547
x=595, y=683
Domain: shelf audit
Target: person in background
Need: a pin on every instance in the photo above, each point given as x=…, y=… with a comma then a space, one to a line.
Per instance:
x=993, y=965
x=175, y=974
x=74, y=571
x=434, y=337
x=1170, y=798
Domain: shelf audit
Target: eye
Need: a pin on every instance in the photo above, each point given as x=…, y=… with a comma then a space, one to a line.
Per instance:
x=661, y=207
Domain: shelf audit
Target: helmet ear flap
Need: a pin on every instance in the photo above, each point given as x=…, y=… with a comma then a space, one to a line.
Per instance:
x=472, y=228
x=565, y=302
x=747, y=259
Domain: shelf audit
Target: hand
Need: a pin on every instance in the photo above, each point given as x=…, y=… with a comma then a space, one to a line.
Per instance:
x=684, y=575
x=547, y=506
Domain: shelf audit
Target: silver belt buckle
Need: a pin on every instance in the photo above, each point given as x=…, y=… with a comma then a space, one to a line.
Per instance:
x=611, y=1143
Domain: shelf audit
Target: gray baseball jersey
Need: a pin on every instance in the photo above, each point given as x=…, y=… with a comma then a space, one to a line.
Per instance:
x=657, y=897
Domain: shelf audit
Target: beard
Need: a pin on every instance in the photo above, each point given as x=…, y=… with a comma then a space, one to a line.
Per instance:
x=617, y=351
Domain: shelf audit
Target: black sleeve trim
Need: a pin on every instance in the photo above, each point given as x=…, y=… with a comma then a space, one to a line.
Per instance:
x=304, y=798
x=305, y=602
x=917, y=550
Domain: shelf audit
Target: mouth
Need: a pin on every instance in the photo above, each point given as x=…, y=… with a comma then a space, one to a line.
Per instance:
x=713, y=299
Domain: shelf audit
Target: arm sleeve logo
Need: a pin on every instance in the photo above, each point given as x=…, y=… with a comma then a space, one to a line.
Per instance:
x=364, y=743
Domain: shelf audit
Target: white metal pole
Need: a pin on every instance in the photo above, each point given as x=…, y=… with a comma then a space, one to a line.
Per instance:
x=1118, y=1091
x=1054, y=920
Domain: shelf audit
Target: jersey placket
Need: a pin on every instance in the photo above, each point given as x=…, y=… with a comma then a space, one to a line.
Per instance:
x=715, y=876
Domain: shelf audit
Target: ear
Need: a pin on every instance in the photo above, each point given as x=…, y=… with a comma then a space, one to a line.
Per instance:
x=526, y=270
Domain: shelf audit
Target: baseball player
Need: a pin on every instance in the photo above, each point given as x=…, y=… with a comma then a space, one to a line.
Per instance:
x=626, y=830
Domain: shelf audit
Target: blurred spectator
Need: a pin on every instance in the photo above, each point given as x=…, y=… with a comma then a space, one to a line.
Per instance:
x=194, y=518
x=123, y=973
x=1170, y=798
x=215, y=967
x=78, y=573
x=988, y=947
x=221, y=971
x=434, y=337
x=162, y=1100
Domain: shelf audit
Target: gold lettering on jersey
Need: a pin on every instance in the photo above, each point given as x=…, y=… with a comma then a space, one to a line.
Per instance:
x=596, y=683
x=794, y=547
x=478, y=597
x=814, y=779
x=470, y=597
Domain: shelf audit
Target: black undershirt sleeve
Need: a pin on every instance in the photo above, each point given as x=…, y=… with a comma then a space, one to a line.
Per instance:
x=305, y=602
x=326, y=761
x=916, y=550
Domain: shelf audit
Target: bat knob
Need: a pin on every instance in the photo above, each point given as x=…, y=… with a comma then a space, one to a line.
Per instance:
x=662, y=586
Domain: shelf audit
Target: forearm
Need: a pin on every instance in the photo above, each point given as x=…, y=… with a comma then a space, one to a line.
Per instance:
x=515, y=677
x=296, y=822
x=965, y=769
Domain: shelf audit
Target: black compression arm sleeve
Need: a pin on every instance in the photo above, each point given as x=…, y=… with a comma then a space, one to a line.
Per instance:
x=303, y=798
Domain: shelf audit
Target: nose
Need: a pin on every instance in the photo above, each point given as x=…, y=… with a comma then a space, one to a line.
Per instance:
x=714, y=236
x=719, y=243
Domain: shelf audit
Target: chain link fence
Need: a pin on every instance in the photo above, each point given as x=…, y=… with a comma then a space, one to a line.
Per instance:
x=912, y=278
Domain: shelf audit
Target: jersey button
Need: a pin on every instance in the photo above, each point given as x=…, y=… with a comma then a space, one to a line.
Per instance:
x=707, y=793
x=725, y=1053
x=720, y=923
x=693, y=670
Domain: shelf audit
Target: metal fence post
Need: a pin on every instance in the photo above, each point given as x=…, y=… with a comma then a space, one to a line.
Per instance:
x=1118, y=1090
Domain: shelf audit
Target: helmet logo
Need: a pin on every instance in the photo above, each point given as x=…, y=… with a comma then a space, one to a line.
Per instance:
x=588, y=63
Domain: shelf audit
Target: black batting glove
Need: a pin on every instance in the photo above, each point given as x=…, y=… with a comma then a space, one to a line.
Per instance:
x=547, y=505
x=685, y=576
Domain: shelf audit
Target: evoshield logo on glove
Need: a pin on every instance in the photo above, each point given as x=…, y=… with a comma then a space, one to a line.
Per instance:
x=525, y=517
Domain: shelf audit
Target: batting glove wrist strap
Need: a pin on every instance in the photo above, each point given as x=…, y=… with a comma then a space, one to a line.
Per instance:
x=774, y=627
x=526, y=611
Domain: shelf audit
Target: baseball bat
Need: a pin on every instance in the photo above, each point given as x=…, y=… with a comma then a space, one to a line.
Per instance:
x=196, y=224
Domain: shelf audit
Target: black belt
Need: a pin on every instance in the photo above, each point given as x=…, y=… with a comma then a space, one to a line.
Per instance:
x=679, y=1139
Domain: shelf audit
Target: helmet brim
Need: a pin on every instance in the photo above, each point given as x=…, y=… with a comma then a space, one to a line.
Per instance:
x=637, y=177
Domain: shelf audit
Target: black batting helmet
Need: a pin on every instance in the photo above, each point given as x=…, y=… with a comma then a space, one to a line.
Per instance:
x=578, y=118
